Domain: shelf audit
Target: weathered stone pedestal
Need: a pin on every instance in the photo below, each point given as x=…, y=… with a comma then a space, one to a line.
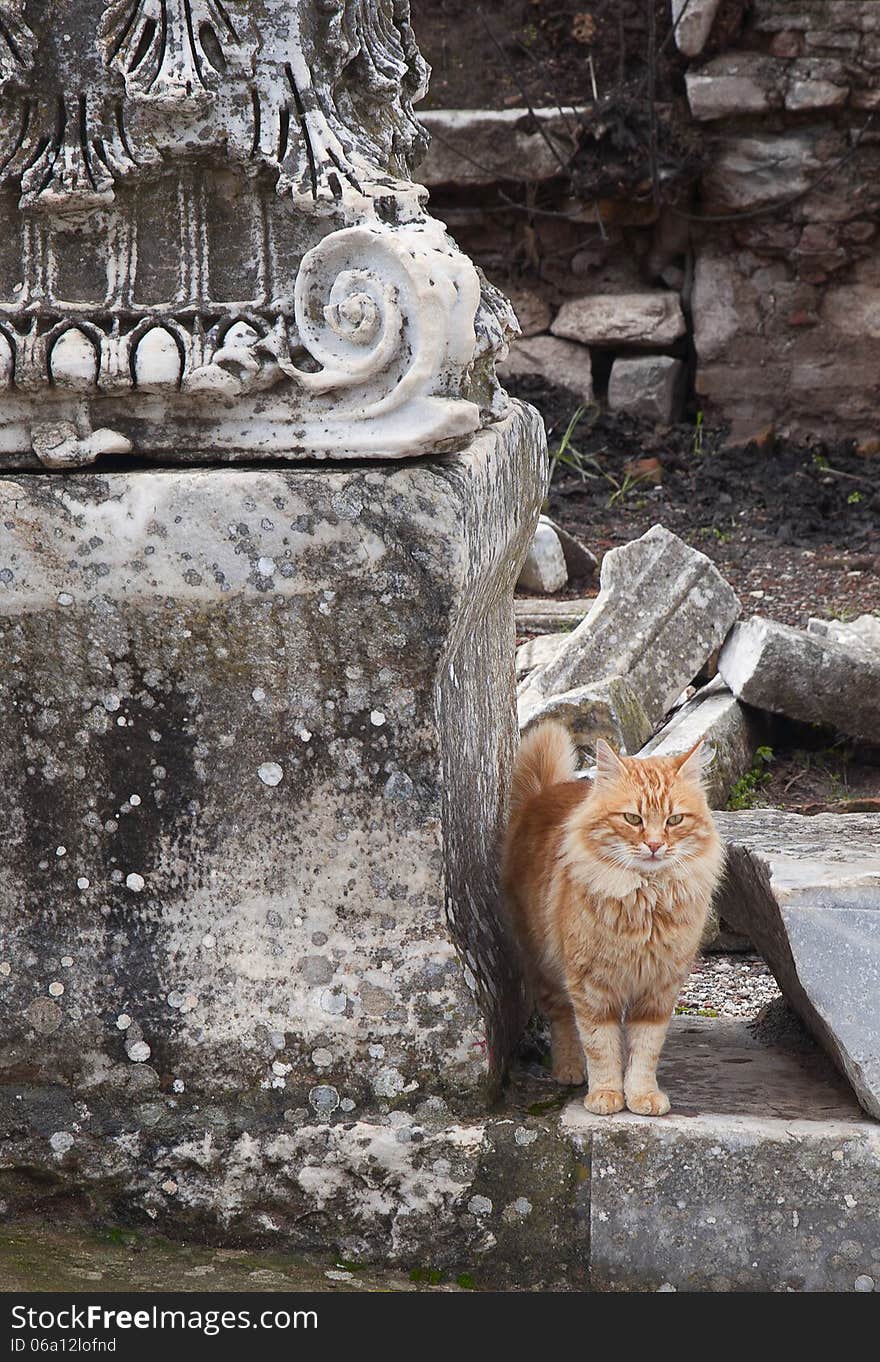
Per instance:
x=257, y=731
x=262, y=508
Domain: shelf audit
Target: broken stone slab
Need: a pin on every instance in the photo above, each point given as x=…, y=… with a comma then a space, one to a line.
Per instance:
x=733, y=730
x=804, y=675
x=639, y=319
x=650, y=387
x=560, y=362
x=862, y=633
x=544, y=568
x=807, y=892
x=579, y=561
x=693, y=20
x=753, y=83
x=725, y=304
x=662, y=609
x=536, y=652
x=608, y=709
x=272, y=830
x=481, y=146
x=546, y=617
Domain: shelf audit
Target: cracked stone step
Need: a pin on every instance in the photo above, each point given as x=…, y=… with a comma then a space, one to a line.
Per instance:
x=536, y=1193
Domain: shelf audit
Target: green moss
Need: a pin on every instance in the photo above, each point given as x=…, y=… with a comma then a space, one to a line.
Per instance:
x=428, y=1276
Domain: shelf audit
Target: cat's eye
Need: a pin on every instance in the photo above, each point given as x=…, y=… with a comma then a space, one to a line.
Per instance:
x=674, y=819
x=633, y=819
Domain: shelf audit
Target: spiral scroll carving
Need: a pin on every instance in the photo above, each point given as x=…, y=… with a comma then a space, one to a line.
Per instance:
x=389, y=309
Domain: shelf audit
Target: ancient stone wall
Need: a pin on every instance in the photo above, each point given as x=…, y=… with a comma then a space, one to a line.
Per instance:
x=745, y=204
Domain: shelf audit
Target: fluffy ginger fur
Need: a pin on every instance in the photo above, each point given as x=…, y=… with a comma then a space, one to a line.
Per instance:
x=609, y=899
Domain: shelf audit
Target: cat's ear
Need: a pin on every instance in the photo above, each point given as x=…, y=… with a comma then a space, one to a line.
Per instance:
x=694, y=764
x=608, y=764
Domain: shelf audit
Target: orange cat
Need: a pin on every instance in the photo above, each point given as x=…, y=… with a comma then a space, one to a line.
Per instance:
x=609, y=886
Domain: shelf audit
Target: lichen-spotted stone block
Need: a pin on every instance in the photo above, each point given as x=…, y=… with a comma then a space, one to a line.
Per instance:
x=258, y=727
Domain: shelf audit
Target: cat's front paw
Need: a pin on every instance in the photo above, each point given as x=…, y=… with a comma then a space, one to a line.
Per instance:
x=654, y=1103
x=604, y=1101
x=569, y=1072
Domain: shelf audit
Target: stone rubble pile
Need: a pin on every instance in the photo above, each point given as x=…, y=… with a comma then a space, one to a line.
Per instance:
x=645, y=385
x=665, y=616
x=804, y=675
x=662, y=609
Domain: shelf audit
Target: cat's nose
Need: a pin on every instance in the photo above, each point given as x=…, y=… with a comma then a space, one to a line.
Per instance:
x=653, y=847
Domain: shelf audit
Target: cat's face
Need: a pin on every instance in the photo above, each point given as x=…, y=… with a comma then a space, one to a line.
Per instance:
x=649, y=815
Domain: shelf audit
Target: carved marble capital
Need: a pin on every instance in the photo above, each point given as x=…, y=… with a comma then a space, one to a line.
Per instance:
x=213, y=246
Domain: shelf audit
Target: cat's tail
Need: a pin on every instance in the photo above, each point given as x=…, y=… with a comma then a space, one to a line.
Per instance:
x=546, y=756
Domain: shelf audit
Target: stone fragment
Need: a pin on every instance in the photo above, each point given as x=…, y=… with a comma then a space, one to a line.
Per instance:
x=640, y=319
x=544, y=568
x=724, y=304
x=560, y=362
x=730, y=86
x=481, y=146
x=747, y=172
x=545, y=617
x=650, y=387
x=662, y=609
x=862, y=633
x=853, y=309
x=579, y=561
x=804, y=676
x=693, y=20
x=732, y=729
x=608, y=708
x=537, y=652
x=145, y=683
x=807, y=892
x=814, y=94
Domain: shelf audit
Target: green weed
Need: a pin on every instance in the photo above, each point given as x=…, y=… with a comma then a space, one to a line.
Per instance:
x=697, y=446
x=746, y=792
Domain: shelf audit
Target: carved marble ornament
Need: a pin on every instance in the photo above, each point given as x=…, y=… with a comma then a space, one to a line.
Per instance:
x=211, y=247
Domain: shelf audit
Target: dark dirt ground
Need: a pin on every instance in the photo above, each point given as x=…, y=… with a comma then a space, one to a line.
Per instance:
x=488, y=54
x=594, y=58
x=795, y=529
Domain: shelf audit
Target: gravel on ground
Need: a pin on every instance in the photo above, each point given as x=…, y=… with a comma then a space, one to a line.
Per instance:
x=727, y=986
